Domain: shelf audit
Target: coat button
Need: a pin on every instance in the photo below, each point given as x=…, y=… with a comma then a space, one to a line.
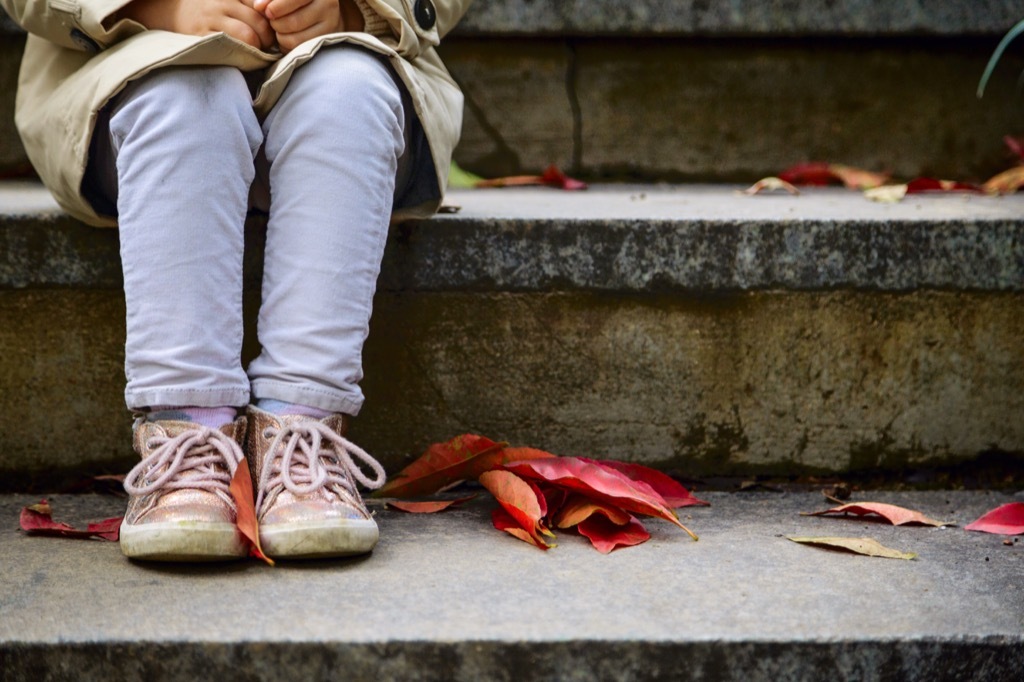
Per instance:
x=426, y=15
x=79, y=38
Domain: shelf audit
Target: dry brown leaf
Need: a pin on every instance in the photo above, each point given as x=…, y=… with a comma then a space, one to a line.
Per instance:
x=771, y=184
x=864, y=546
x=886, y=194
x=1007, y=182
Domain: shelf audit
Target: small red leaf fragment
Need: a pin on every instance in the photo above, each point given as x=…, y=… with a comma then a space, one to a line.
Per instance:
x=606, y=536
x=819, y=174
x=553, y=177
x=922, y=185
x=37, y=519
x=521, y=500
x=245, y=510
x=897, y=516
x=1007, y=519
x=674, y=494
x=771, y=184
x=427, y=506
x=814, y=173
x=600, y=483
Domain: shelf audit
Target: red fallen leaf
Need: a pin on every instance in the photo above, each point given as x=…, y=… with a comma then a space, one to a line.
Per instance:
x=522, y=501
x=440, y=465
x=552, y=177
x=556, y=178
x=921, y=185
x=463, y=457
x=814, y=173
x=245, y=510
x=1007, y=182
x=674, y=494
x=600, y=483
x=820, y=173
x=606, y=536
x=1007, y=519
x=579, y=508
x=427, y=506
x=37, y=519
x=897, y=516
x=511, y=181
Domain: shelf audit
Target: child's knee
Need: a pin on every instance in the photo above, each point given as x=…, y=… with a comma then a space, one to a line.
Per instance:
x=212, y=103
x=343, y=74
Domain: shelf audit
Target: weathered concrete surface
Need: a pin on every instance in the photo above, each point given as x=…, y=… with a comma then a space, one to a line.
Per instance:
x=638, y=239
x=737, y=384
x=518, y=113
x=687, y=328
x=732, y=110
x=448, y=597
x=739, y=17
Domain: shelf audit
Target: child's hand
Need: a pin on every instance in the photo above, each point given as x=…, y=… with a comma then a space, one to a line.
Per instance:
x=236, y=18
x=296, y=21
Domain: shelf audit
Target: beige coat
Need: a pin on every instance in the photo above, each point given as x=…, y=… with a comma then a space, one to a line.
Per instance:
x=78, y=57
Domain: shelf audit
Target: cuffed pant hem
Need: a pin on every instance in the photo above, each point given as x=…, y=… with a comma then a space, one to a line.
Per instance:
x=181, y=397
x=313, y=396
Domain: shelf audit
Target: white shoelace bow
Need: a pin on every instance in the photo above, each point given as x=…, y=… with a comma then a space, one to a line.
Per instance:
x=198, y=450
x=308, y=455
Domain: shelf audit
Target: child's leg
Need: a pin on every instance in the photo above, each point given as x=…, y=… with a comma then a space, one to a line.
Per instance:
x=184, y=141
x=333, y=142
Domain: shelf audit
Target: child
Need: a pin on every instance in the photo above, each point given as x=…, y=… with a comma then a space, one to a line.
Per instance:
x=172, y=118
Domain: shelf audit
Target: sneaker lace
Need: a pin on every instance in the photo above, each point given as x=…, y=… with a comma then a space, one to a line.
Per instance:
x=209, y=457
x=307, y=456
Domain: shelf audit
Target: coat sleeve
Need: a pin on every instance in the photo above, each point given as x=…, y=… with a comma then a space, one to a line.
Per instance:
x=77, y=24
x=414, y=24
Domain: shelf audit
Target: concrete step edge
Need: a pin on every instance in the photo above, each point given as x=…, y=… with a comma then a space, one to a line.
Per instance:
x=615, y=239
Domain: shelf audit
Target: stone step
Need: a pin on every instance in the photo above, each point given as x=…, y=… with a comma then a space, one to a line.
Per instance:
x=686, y=327
x=731, y=18
x=715, y=91
x=447, y=597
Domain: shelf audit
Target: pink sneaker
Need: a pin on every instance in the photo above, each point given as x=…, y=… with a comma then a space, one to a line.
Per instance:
x=305, y=479
x=180, y=506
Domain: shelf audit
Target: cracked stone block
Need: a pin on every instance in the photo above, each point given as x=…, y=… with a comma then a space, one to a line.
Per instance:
x=518, y=116
x=741, y=111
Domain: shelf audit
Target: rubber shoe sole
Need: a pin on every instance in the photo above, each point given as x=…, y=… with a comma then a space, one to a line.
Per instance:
x=183, y=541
x=319, y=539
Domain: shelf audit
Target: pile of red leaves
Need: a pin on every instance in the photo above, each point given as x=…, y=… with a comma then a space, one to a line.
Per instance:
x=538, y=491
